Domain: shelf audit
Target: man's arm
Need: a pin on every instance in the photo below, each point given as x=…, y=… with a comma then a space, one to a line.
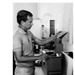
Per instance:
x=21, y=58
x=44, y=41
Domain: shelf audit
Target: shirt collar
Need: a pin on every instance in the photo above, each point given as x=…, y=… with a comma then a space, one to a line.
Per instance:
x=22, y=31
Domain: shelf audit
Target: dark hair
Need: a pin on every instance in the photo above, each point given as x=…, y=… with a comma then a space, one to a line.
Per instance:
x=22, y=15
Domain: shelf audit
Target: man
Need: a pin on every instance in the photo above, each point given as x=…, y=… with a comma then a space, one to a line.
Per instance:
x=22, y=44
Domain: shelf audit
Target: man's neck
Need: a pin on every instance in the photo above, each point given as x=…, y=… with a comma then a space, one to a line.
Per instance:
x=23, y=28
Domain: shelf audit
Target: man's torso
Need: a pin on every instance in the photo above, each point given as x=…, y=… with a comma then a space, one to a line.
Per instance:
x=26, y=45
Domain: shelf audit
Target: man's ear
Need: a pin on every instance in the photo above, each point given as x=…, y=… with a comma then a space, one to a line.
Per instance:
x=22, y=22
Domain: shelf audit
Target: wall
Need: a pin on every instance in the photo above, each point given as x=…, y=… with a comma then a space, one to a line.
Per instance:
x=62, y=13
x=55, y=10
x=32, y=7
x=36, y=28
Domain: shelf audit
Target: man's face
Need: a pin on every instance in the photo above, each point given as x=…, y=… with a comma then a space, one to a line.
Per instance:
x=28, y=24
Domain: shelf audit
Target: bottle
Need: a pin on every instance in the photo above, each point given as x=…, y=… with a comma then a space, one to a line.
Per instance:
x=42, y=31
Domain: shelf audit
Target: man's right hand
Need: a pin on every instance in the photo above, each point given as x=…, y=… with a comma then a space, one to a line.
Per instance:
x=58, y=33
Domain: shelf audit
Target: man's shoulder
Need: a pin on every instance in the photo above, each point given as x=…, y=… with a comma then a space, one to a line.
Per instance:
x=17, y=34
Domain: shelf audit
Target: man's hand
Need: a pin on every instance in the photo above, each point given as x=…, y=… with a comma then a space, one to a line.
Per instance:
x=58, y=33
x=42, y=56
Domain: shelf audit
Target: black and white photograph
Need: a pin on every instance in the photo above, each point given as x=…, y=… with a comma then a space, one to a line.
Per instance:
x=42, y=38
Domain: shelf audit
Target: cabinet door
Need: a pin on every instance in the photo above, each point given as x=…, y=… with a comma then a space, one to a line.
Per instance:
x=54, y=64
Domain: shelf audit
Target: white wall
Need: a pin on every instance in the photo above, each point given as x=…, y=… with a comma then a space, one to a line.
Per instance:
x=62, y=13
x=36, y=28
x=32, y=7
x=54, y=9
x=67, y=22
